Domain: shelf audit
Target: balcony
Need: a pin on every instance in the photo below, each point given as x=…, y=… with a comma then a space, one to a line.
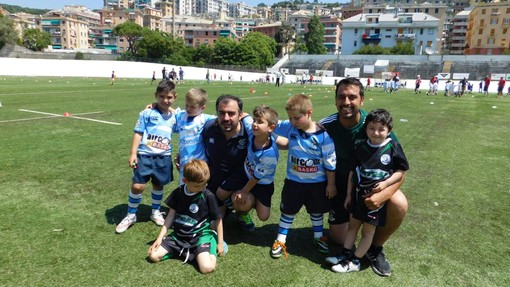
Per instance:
x=371, y=38
x=405, y=36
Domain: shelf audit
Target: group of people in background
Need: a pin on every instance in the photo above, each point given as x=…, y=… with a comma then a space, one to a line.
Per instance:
x=349, y=165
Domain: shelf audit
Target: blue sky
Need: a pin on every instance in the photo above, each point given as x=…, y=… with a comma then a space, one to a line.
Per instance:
x=97, y=4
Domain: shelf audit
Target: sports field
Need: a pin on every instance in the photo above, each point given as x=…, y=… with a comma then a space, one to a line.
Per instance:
x=64, y=184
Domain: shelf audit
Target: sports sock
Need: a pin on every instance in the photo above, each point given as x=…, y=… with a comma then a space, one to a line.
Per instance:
x=317, y=224
x=133, y=202
x=284, y=226
x=157, y=196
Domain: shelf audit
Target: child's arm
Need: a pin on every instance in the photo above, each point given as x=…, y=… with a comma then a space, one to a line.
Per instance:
x=219, y=230
x=247, y=187
x=394, y=178
x=137, y=138
x=164, y=231
x=331, y=187
x=282, y=143
x=350, y=185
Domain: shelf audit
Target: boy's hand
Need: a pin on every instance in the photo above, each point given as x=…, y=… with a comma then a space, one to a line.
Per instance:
x=220, y=249
x=331, y=191
x=133, y=162
x=177, y=161
x=154, y=246
x=379, y=186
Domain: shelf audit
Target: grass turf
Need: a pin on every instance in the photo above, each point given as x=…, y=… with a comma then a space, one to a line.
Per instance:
x=65, y=183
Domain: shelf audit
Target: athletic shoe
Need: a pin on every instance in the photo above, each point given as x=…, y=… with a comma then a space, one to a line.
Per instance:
x=246, y=222
x=321, y=244
x=278, y=249
x=345, y=266
x=380, y=265
x=225, y=248
x=125, y=224
x=158, y=218
x=334, y=260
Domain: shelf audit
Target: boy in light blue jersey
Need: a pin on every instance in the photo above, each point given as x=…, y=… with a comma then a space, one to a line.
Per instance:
x=310, y=177
x=189, y=126
x=151, y=155
x=260, y=164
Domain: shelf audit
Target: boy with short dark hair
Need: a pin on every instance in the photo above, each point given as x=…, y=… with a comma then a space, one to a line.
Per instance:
x=378, y=163
x=151, y=155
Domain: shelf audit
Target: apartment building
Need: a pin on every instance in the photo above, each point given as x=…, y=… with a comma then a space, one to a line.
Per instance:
x=238, y=10
x=488, y=29
x=116, y=3
x=167, y=9
x=152, y=18
x=21, y=21
x=299, y=20
x=388, y=30
x=65, y=32
x=456, y=42
x=332, y=31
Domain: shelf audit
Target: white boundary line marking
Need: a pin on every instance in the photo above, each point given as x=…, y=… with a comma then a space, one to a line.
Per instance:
x=71, y=116
x=40, y=118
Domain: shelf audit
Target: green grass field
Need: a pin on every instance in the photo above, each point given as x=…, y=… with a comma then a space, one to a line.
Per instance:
x=64, y=184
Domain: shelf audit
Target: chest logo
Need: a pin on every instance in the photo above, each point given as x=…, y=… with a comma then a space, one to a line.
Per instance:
x=193, y=208
x=385, y=159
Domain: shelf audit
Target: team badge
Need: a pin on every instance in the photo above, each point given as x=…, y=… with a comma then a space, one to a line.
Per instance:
x=385, y=159
x=193, y=208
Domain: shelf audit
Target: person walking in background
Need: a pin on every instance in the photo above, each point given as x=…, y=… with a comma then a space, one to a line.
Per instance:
x=153, y=77
x=501, y=87
x=112, y=78
x=417, y=85
x=181, y=75
x=486, y=83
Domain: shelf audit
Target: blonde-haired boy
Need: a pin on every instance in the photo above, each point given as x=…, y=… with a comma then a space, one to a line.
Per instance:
x=310, y=179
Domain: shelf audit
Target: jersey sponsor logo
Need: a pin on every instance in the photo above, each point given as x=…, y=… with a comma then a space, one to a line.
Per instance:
x=211, y=140
x=306, y=165
x=385, y=159
x=193, y=208
x=158, y=142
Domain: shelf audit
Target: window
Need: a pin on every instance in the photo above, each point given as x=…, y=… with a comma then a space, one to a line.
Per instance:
x=479, y=42
x=429, y=43
x=421, y=31
x=492, y=33
x=506, y=21
x=480, y=31
x=505, y=30
x=389, y=30
x=356, y=31
x=436, y=11
x=355, y=43
x=207, y=33
x=490, y=41
x=482, y=22
x=427, y=10
x=494, y=21
x=483, y=11
x=214, y=33
x=431, y=31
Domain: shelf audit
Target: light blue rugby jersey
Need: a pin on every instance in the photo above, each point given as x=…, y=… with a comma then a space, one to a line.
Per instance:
x=310, y=154
x=261, y=163
x=190, y=129
x=157, y=132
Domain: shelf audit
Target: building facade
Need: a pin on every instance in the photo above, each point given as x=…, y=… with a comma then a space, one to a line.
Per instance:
x=388, y=30
x=488, y=29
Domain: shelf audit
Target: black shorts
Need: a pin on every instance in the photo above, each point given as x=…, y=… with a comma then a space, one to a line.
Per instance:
x=235, y=181
x=263, y=193
x=361, y=212
x=207, y=242
x=311, y=195
x=338, y=214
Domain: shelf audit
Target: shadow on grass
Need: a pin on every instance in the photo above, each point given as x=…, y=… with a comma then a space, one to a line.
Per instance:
x=299, y=240
x=115, y=214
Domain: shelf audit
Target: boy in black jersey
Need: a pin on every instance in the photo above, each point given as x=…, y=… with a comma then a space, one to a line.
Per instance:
x=192, y=209
x=378, y=163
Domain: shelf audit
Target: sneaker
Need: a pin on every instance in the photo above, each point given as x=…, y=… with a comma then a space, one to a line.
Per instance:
x=321, y=244
x=125, y=224
x=380, y=265
x=347, y=266
x=158, y=218
x=246, y=222
x=278, y=249
x=225, y=248
x=334, y=260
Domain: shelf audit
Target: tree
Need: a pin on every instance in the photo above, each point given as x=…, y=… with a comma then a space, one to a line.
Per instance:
x=223, y=51
x=7, y=33
x=402, y=49
x=371, y=50
x=300, y=45
x=284, y=36
x=131, y=31
x=264, y=46
x=315, y=36
x=35, y=39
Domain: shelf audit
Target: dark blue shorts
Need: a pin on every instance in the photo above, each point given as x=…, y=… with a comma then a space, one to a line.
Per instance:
x=235, y=181
x=263, y=193
x=311, y=195
x=155, y=168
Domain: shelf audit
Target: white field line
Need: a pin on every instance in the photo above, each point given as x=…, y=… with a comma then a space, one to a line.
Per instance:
x=40, y=118
x=71, y=116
